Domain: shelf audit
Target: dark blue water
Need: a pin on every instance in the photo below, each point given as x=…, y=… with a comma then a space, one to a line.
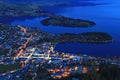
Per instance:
x=107, y=18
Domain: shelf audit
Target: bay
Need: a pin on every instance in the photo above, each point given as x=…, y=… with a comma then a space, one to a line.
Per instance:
x=106, y=17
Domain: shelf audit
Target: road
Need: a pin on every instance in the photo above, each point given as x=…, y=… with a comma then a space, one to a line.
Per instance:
x=33, y=50
x=25, y=44
x=22, y=28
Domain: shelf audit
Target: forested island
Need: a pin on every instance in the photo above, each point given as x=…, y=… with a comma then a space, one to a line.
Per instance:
x=67, y=22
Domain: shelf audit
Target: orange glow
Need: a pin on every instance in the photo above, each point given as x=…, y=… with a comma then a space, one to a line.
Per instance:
x=76, y=68
x=21, y=50
x=59, y=77
x=57, y=70
x=19, y=53
x=25, y=44
x=70, y=69
x=65, y=74
x=85, y=70
x=97, y=69
x=22, y=28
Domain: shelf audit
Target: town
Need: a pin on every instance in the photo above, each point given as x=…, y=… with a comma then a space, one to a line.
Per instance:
x=25, y=55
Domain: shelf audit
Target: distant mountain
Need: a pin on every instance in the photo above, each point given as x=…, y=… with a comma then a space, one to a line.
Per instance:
x=20, y=1
x=31, y=1
x=42, y=1
x=55, y=2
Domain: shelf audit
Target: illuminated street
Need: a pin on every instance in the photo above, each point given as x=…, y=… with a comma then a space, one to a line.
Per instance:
x=33, y=58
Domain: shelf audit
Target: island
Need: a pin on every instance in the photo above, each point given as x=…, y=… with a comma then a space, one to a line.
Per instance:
x=67, y=22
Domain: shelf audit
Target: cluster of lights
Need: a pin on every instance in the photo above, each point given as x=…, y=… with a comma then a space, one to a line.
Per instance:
x=66, y=72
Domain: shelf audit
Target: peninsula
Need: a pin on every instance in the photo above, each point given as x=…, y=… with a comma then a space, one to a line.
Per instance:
x=88, y=37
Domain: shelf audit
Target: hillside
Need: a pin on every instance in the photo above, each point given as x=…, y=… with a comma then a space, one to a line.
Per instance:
x=32, y=1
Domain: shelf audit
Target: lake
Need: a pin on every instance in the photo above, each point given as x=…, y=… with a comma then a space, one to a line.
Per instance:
x=107, y=18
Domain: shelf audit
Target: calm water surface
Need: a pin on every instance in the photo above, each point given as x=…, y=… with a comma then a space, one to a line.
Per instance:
x=107, y=18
